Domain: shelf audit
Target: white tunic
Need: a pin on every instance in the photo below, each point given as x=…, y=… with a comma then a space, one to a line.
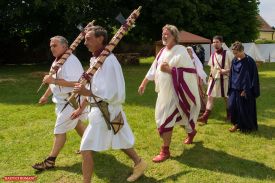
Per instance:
x=71, y=70
x=108, y=84
x=215, y=90
x=167, y=100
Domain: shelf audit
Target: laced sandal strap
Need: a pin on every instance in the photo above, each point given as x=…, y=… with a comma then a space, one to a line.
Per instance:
x=49, y=163
x=46, y=164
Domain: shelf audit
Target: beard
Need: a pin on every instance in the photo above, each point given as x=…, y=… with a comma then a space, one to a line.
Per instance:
x=217, y=47
x=164, y=42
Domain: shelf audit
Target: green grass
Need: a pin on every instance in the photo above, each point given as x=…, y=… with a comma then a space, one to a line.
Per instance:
x=26, y=136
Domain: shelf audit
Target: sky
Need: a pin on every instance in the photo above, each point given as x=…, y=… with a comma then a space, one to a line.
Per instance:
x=267, y=11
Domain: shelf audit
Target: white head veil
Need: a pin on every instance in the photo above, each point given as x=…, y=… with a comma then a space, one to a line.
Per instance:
x=198, y=65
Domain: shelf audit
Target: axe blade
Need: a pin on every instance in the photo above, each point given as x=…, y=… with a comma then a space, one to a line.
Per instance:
x=80, y=27
x=121, y=19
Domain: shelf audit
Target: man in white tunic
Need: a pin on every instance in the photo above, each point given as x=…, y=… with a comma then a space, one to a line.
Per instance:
x=178, y=100
x=220, y=63
x=106, y=87
x=61, y=85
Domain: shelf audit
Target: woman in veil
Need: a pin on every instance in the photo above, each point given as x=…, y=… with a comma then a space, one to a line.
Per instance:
x=201, y=75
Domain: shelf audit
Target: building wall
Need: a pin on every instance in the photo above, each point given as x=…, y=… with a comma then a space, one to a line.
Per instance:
x=267, y=35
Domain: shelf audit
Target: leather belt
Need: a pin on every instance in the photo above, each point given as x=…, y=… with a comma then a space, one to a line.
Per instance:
x=94, y=104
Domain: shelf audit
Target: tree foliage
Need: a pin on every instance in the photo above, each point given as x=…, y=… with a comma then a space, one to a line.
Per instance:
x=27, y=25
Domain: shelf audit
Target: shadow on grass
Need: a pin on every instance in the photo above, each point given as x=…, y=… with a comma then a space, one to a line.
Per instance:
x=106, y=167
x=75, y=168
x=267, y=132
x=174, y=177
x=109, y=169
x=264, y=131
x=220, y=161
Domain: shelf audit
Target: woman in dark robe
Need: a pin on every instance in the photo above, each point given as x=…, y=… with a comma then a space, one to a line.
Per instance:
x=243, y=90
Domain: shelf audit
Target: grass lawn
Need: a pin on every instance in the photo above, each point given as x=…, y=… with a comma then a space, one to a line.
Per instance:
x=26, y=136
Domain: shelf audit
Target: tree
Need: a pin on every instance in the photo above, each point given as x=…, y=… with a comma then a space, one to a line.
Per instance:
x=27, y=25
x=234, y=19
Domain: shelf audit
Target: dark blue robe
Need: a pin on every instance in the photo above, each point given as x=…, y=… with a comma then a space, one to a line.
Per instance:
x=244, y=77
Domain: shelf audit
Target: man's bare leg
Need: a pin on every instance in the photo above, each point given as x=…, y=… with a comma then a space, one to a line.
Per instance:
x=80, y=128
x=132, y=154
x=164, y=152
x=139, y=166
x=87, y=166
x=59, y=141
x=166, y=137
x=49, y=162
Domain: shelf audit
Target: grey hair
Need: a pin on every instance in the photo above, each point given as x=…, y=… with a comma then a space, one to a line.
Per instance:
x=62, y=40
x=174, y=31
x=99, y=31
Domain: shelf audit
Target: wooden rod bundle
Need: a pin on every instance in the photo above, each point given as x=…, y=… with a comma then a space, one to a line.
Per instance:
x=106, y=51
x=68, y=52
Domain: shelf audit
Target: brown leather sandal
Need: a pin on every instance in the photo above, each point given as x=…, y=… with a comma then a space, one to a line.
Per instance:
x=233, y=128
x=44, y=165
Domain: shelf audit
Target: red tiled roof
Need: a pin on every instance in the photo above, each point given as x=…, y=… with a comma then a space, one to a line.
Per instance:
x=188, y=38
x=264, y=25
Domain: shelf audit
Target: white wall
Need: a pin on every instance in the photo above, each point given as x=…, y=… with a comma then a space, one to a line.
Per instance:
x=268, y=51
x=265, y=50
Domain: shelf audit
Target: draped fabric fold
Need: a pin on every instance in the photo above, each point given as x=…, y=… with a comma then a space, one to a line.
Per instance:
x=244, y=77
x=182, y=90
x=178, y=100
